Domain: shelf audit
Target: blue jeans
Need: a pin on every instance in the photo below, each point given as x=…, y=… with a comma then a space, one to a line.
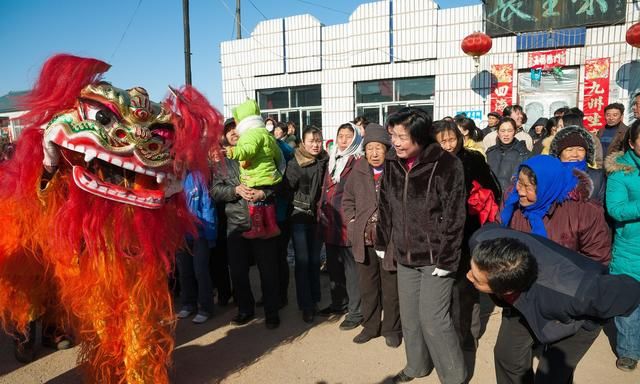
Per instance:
x=628, y=341
x=307, y=245
x=196, y=288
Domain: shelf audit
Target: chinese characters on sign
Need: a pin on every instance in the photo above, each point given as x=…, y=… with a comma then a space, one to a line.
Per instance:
x=596, y=92
x=502, y=87
x=506, y=17
x=548, y=60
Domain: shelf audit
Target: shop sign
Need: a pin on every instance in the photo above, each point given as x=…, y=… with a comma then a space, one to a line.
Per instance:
x=547, y=60
x=596, y=92
x=473, y=115
x=502, y=87
x=508, y=17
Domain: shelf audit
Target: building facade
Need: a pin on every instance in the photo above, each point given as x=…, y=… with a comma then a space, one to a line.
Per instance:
x=397, y=53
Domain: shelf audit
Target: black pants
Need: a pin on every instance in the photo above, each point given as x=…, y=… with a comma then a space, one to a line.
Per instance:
x=465, y=312
x=219, y=269
x=378, y=292
x=265, y=253
x=345, y=292
x=283, y=264
x=513, y=353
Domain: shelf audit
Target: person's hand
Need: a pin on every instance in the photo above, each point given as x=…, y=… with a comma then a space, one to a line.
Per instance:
x=441, y=272
x=241, y=191
x=255, y=195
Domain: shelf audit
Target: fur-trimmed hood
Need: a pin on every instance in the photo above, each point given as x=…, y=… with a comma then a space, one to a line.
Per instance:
x=612, y=163
x=567, y=131
x=584, y=189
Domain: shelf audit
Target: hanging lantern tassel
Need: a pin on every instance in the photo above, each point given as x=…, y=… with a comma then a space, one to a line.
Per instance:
x=476, y=44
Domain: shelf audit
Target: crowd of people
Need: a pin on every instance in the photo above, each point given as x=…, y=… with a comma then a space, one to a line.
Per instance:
x=418, y=219
x=555, y=211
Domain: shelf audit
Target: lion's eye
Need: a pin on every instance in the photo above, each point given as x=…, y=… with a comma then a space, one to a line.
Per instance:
x=103, y=117
x=99, y=113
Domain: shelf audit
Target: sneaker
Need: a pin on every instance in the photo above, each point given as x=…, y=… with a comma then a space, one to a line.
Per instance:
x=59, y=343
x=330, y=311
x=350, y=324
x=242, y=318
x=184, y=313
x=200, y=318
x=626, y=364
x=393, y=341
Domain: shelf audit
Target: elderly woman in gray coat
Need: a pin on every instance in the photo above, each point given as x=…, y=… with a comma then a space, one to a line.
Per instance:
x=377, y=276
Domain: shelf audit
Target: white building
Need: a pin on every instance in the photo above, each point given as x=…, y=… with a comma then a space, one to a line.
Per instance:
x=396, y=53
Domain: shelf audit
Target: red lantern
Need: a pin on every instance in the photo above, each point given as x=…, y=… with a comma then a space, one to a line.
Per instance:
x=633, y=35
x=476, y=44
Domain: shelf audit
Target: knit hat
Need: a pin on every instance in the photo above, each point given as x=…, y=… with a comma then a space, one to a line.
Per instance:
x=573, y=136
x=494, y=114
x=376, y=133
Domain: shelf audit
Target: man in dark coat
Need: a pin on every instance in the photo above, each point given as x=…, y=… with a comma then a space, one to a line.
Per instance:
x=551, y=295
x=613, y=133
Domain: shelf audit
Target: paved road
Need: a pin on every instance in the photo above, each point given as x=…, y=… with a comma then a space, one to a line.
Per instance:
x=216, y=352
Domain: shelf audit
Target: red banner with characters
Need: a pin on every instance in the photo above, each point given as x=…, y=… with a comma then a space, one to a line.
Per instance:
x=548, y=60
x=501, y=87
x=596, y=92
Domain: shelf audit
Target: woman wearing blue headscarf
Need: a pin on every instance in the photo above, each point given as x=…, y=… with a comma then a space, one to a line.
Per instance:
x=552, y=201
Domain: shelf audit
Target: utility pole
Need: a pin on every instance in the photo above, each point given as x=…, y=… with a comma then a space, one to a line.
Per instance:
x=187, y=42
x=238, y=24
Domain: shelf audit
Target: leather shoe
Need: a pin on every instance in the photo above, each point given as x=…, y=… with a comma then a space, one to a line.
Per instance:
x=362, y=338
x=393, y=341
x=242, y=318
x=626, y=364
x=330, y=311
x=272, y=322
x=401, y=377
x=350, y=324
x=307, y=316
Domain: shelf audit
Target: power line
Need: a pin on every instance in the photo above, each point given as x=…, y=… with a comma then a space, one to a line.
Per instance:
x=125, y=30
x=259, y=11
x=323, y=6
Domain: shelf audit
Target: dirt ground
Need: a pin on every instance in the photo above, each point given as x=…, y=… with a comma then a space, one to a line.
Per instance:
x=319, y=353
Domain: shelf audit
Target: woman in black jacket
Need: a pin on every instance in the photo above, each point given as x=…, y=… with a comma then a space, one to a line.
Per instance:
x=478, y=178
x=303, y=185
x=226, y=188
x=505, y=157
x=422, y=212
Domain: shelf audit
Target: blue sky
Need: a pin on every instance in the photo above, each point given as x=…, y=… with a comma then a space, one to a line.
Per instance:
x=151, y=52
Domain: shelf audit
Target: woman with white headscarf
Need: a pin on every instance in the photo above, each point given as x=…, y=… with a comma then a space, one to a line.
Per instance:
x=345, y=292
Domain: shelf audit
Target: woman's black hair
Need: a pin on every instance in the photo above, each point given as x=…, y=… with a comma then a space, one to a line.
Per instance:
x=509, y=264
x=469, y=125
x=442, y=126
x=552, y=122
x=345, y=126
x=509, y=121
x=311, y=130
x=572, y=119
x=417, y=122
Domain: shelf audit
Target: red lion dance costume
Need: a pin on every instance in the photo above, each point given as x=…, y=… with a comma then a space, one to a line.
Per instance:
x=92, y=234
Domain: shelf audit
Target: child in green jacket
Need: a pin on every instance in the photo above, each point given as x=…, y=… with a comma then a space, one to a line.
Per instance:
x=261, y=166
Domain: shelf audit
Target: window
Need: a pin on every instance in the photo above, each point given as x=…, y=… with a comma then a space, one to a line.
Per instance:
x=302, y=105
x=541, y=99
x=375, y=100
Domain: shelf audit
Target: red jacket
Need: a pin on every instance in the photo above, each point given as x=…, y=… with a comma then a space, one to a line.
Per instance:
x=330, y=217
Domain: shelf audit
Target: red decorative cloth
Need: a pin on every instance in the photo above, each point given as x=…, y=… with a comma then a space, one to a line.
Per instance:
x=482, y=203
